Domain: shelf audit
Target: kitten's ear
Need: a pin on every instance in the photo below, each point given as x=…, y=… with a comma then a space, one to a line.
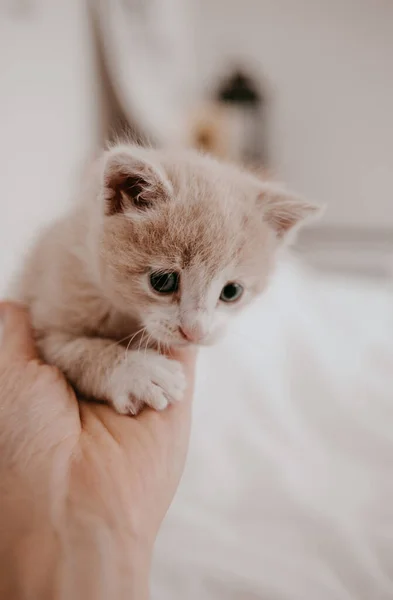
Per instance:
x=130, y=181
x=284, y=212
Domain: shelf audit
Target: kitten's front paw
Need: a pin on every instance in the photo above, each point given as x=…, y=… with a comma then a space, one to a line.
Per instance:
x=146, y=378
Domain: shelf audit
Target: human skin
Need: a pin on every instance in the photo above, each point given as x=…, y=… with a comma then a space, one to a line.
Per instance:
x=83, y=490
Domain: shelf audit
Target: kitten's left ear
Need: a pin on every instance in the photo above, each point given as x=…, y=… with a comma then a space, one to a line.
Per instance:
x=285, y=212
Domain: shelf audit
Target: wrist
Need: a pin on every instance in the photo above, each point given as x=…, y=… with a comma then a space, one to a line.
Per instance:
x=104, y=549
x=97, y=562
x=85, y=560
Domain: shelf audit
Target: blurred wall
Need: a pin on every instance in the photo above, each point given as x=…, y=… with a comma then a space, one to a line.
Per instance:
x=50, y=115
x=329, y=67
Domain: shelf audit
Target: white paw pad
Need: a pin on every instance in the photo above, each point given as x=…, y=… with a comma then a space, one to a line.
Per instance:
x=147, y=378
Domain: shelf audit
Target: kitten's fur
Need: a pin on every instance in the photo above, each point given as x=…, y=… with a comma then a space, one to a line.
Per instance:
x=87, y=280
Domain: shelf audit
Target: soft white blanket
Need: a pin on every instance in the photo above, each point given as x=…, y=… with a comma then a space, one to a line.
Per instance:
x=288, y=491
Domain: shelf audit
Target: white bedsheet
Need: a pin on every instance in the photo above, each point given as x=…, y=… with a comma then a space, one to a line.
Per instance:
x=288, y=490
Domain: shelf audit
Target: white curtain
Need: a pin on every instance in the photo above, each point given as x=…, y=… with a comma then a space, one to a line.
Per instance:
x=148, y=51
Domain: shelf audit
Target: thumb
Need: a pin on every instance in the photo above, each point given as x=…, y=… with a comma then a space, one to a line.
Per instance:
x=16, y=338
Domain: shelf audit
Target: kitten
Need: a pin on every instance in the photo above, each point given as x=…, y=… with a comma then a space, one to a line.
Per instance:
x=162, y=250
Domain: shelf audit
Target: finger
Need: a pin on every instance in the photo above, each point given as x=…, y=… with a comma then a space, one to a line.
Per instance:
x=178, y=415
x=187, y=357
x=16, y=337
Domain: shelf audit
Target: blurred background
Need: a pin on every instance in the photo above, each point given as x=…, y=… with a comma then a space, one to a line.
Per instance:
x=302, y=91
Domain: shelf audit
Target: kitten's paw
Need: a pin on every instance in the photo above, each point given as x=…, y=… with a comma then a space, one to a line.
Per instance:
x=146, y=378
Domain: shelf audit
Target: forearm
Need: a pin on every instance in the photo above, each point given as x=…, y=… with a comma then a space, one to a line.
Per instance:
x=96, y=563
x=86, y=562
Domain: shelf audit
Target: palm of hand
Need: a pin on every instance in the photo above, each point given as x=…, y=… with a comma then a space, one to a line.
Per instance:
x=120, y=469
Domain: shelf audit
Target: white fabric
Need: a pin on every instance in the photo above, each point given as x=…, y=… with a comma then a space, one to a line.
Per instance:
x=288, y=491
x=50, y=117
x=148, y=49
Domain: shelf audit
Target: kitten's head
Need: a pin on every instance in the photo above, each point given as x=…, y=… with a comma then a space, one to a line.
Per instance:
x=186, y=241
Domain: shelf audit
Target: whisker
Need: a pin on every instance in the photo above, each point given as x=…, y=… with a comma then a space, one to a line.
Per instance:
x=165, y=347
x=133, y=337
x=115, y=343
x=147, y=342
x=141, y=340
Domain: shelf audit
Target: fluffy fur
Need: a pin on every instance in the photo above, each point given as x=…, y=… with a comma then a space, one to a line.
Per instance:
x=87, y=280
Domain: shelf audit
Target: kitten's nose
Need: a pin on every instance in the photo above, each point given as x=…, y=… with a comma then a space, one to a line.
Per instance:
x=192, y=334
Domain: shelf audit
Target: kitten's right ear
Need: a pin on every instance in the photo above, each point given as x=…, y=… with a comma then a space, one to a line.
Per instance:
x=131, y=182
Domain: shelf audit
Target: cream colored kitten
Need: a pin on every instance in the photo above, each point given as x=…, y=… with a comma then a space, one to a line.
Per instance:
x=162, y=250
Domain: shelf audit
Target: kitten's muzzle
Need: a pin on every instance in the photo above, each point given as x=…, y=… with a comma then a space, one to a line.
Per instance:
x=193, y=335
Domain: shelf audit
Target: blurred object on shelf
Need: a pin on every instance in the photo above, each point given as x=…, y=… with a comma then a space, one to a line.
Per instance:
x=232, y=124
x=244, y=103
x=210, y=130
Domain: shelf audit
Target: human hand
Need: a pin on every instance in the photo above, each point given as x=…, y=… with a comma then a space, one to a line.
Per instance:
x=83, y=490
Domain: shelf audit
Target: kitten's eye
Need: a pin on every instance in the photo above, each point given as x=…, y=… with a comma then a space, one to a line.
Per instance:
x=231, y=292
x=164, y=283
